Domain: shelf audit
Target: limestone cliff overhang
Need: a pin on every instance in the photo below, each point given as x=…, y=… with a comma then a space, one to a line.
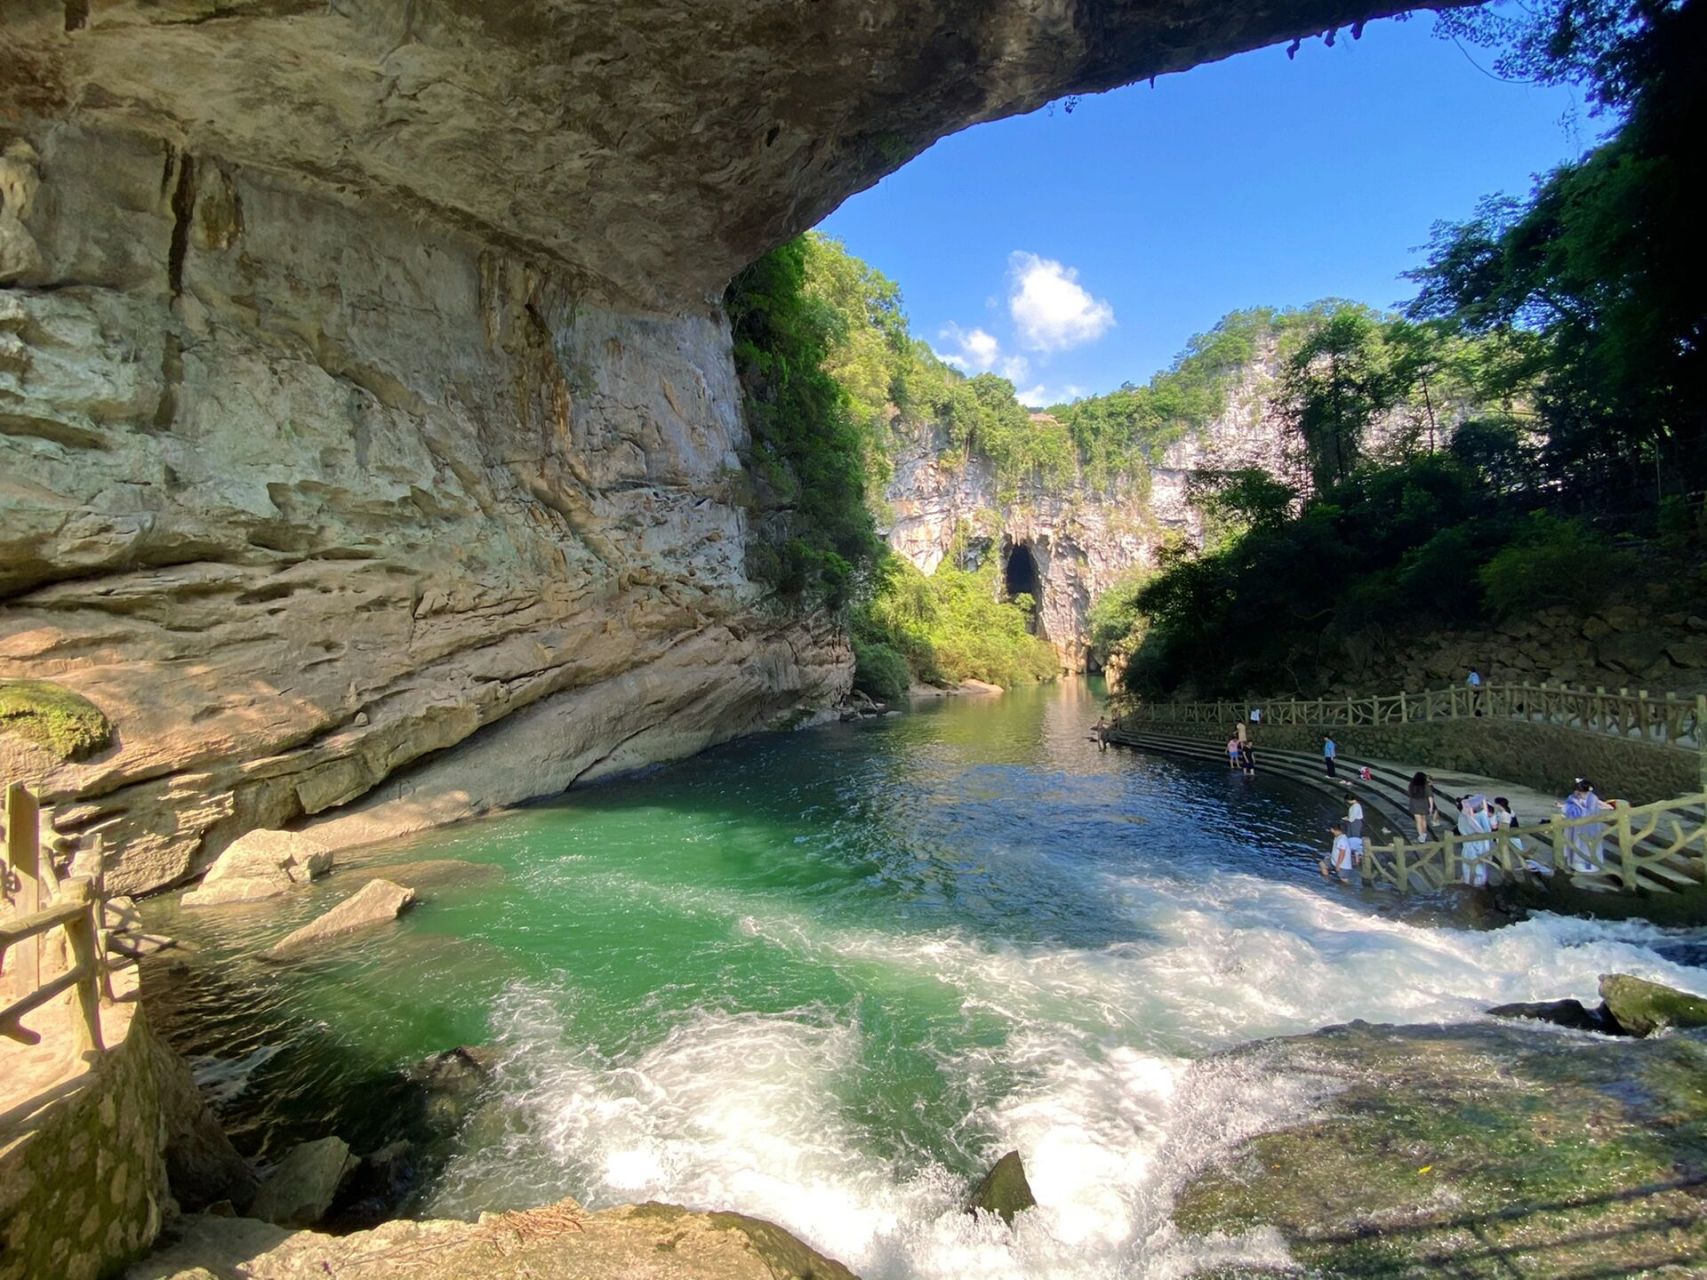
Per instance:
x=651, y=148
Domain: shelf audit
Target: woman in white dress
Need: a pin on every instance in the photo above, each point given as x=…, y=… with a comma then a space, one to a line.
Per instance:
x=1473, y=820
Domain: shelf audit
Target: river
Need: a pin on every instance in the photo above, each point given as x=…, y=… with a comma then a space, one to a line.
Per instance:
x=826, y=977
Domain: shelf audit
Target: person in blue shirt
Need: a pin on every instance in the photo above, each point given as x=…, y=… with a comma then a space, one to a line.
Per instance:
x=1330, y=749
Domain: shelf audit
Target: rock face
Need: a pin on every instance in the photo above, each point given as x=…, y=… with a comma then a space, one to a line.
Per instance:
x=557, y=1242
x=363, y=399
x=376, y=902
x=261, y=864
x=1082, y=539
x=304, y=493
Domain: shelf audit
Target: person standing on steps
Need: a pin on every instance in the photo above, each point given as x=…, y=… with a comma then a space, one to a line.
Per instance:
x=1248, y=758
x=1419, y=801
x=1233, y=745
x=1330, y=750
x=1473, y=682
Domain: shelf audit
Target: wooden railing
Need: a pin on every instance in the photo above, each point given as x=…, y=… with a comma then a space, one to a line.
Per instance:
x=29, y=878
x=1646, y=846
x=1664, y=720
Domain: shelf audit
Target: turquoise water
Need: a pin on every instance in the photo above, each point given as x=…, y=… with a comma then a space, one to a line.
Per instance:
x=825, y=977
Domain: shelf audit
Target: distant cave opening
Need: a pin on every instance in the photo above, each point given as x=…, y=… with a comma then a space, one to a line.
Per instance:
x=1021, y=577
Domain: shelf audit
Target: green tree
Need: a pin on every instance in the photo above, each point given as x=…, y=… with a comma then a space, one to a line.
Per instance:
x=1332, y=388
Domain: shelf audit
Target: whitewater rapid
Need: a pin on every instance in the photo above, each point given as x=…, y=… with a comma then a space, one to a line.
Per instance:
x=1091, y=1061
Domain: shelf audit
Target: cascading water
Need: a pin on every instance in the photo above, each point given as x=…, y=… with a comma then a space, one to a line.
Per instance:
x=826, y=977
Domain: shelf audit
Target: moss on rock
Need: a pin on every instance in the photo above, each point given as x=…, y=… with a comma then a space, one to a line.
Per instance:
x=1642, y=1007
x=53, y=717
x=1482, y=1150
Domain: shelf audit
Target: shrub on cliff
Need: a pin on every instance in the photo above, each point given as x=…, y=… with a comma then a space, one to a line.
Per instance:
x=1549, y=557
x=880, y=671
x=814, y=534
x=952, y=626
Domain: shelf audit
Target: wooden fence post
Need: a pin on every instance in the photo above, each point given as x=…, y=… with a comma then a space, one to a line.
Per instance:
x=23, y=880
x=1401, y=867
x=80, y=932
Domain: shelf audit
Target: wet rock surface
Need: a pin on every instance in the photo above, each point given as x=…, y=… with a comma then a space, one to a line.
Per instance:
x=1476, y=1150
x=1004, y=1191
x=1643, y=1008
x=376, y=903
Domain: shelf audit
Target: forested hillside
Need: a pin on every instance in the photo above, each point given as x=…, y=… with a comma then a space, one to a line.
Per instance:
x=1567, y=328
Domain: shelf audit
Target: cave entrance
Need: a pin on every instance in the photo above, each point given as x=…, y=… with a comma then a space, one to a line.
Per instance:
x=1021, y=577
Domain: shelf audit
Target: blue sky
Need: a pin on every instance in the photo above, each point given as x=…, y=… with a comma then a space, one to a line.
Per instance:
x=1073, y=252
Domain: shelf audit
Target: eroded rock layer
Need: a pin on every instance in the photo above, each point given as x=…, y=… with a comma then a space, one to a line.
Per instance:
x=300, y=492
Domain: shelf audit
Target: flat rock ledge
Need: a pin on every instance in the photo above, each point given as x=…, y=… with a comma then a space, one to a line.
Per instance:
x=376, y=902
x=557, y=1242
x=1488, y=1149
x=259, y=865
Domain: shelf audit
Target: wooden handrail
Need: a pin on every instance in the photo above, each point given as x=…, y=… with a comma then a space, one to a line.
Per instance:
x=78, y=912
x=1639, y=843
x=1663, y=720
x=19, y=928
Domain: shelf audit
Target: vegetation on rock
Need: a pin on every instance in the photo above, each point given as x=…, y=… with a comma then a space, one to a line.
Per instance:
x=1561, y=336
x=51, y=716
x=1479, y=1150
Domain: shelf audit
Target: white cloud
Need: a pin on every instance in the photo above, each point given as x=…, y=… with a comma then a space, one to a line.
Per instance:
x=1050, y=307
x=978, y=350
x=1015, y=368
x=1035, y=397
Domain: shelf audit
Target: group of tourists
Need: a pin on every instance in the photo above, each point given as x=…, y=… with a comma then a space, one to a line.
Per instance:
x=1241, y=755
x=1479, y=818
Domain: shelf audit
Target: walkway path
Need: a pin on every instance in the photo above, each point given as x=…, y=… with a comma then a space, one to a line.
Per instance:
x=1667, y=864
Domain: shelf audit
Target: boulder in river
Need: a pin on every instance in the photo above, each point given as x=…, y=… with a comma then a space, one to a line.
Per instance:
x=300, y=1190
x=453, y=1081
x=261, y=864
x=376, y=902
x=1482, y=1149
x=1004, y=1190
x=1642, y=1007
x=1563, y=1013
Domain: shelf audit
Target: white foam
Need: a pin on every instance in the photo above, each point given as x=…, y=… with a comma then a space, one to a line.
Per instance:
x=1094, y=1075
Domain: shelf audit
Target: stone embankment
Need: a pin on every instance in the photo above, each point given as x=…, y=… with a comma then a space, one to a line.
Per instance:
x=1642, y=642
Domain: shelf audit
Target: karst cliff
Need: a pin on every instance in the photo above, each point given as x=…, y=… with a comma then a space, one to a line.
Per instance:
x=369, y=433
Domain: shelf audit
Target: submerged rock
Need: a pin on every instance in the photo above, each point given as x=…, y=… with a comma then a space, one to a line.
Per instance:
x=1486, y=1149
x=376, y=902
x=1004, y=1190
x=261, y=864
x=1642, y=1007
x=300, y=1190
x=1562, y=1013
x=453, y=1081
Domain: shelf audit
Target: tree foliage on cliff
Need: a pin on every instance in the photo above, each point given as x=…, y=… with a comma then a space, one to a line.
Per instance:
x=1604, y=262
x=952, y=625
x=806, y=457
